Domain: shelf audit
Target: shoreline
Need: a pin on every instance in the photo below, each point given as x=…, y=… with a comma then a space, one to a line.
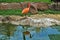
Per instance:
x=42, y=20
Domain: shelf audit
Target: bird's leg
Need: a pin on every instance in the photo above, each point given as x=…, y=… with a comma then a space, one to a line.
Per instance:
x=25, y=16
x=24, y=36
x=29, y=14
x=30, y=36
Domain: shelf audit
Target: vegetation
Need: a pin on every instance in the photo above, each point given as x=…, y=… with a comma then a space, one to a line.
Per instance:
x=18, y=11
x=8, y=30
x=10, y=12
x=54, y=37
x=25, y=0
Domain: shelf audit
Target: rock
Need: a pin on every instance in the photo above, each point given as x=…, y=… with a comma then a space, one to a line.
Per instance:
x=41, y=22
x=41, y=5
x=33, y=21
x=54, y=6
x=9, y=6
x=33, y=9
x=1, y=17
x=13, y=18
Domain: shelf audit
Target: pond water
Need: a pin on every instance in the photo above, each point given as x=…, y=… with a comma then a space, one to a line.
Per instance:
x=13, y=32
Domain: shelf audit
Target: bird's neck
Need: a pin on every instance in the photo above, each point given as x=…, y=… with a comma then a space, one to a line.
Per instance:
x=28, y=5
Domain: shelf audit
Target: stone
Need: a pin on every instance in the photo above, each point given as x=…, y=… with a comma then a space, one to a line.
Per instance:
x=42, y=5
x=33, y=21
x=55, y=6
x=42, y=22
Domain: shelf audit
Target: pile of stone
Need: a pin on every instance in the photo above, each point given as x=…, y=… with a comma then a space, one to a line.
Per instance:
x=18, y=20
x=55, y=6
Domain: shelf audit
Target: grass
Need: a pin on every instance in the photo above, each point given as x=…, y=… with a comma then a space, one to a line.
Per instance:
x=18, y=12
x=10, y=12
x=51, y=12
x=25, y=0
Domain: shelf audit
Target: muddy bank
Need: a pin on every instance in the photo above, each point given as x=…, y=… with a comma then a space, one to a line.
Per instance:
x=37, y=20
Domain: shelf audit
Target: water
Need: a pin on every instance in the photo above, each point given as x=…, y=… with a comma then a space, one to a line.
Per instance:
x=13, y=32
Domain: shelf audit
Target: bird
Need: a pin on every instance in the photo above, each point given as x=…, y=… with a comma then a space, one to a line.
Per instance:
x=26, y=10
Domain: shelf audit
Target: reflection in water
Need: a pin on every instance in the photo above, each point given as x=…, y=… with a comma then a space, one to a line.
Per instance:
x=7, y=30
x=57, y=27
x=13, y=32
x=54, y=37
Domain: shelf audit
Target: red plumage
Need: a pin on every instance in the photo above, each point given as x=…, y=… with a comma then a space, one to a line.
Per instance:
x=26, y=10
